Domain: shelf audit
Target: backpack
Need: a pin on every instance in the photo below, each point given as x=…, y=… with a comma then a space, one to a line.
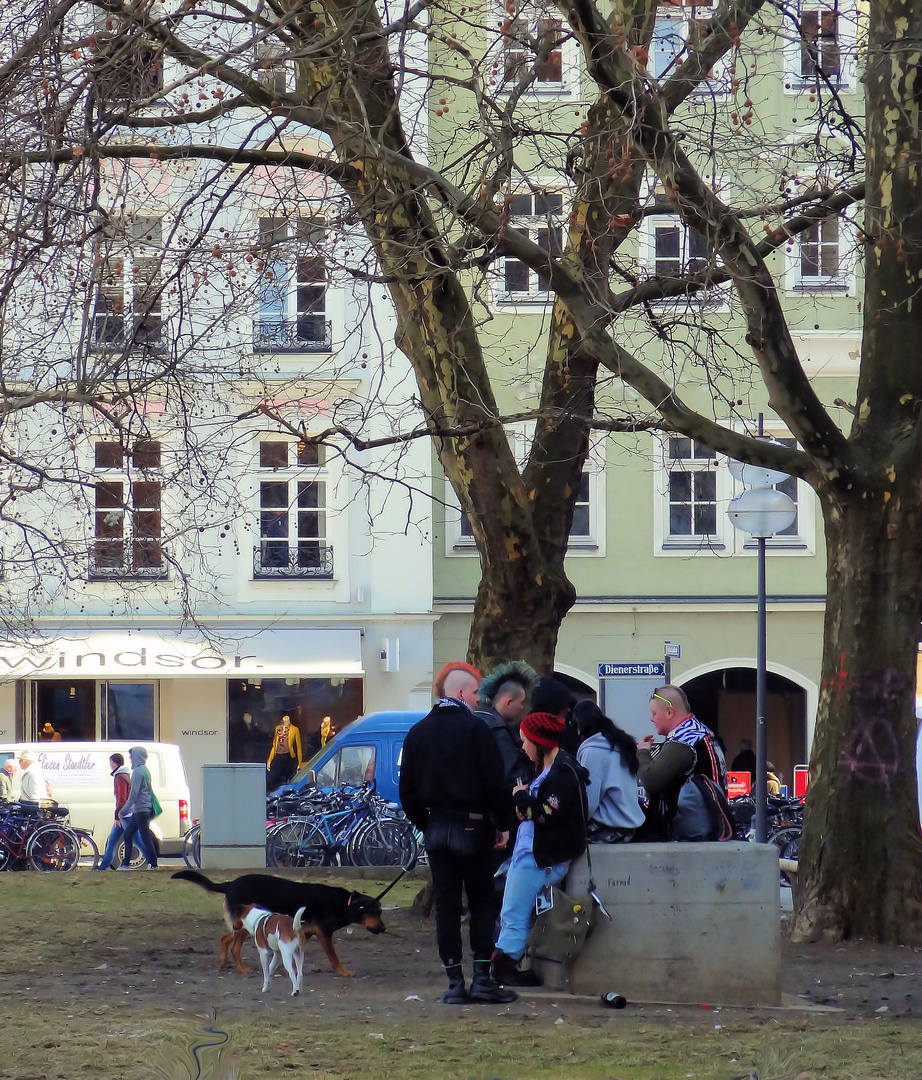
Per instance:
x=717, y=804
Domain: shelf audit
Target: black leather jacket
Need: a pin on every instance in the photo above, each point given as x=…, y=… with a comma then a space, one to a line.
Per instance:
x=517, y=769
x=559, y=811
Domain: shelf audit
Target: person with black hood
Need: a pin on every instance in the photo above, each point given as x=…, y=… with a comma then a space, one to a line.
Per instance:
x=552, y=811
x=135, y=816
x=121, y=781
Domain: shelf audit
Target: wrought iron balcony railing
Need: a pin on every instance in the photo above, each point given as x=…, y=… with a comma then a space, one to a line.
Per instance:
x=304, y=559
x=306, y=333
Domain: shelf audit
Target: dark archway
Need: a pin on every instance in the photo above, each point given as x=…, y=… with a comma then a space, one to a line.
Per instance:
x=725, y=700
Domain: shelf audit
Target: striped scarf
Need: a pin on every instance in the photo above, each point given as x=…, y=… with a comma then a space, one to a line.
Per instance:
x=690, y=731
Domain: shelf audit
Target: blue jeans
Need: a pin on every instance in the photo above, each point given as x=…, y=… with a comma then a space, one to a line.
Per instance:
x=523, y=883
x=115, y=835
x=138, y=829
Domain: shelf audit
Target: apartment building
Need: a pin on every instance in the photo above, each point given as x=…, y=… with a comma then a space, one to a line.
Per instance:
x=180, y=561
x=652, y=553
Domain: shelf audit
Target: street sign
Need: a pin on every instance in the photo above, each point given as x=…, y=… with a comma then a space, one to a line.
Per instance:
x=673, y=651
x=615, y=671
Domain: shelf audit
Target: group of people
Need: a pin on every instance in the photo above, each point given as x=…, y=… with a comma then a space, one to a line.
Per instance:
x=135, y=801
x=33, y=786
x=510, y=776
x=135, y=808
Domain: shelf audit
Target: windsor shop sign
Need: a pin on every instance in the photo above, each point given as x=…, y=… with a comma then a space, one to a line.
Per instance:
x=306, y=653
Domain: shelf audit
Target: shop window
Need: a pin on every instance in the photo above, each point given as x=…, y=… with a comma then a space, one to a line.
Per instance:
x=128, y=711
x=255, y=706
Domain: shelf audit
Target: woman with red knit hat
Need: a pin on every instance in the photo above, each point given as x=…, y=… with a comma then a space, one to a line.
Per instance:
x=553, y=815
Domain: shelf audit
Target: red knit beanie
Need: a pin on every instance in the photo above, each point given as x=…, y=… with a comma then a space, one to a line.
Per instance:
x=543, y=728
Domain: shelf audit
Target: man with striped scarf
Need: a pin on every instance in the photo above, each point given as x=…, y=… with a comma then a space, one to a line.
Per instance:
x=677, y=807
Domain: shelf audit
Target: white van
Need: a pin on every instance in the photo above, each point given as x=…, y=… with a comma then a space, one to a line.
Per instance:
x=80, y=777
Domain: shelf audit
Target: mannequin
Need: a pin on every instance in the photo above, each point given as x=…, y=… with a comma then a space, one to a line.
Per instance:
x=285, y=756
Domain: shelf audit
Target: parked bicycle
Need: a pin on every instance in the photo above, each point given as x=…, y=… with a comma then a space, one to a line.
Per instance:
x=29, y=839
x=192, y=847
x=346, y=826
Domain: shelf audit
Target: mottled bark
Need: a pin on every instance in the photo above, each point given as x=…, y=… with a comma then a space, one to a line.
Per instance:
x=861, y=854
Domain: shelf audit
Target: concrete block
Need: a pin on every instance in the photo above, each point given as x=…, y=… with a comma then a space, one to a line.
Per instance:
x=694, y=923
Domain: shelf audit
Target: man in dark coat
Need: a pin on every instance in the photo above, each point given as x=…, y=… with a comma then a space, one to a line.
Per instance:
x=451, y=787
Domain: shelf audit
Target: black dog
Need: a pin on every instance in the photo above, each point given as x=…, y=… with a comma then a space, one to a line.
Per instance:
x=328, y=909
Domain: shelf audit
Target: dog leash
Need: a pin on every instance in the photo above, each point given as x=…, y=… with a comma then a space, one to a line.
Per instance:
x=403, y=870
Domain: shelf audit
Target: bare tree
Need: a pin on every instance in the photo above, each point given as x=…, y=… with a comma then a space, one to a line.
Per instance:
x=430, y=131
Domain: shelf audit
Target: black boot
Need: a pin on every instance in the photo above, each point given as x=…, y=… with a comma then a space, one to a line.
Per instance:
x=505, y=971
x=456, y=994
x=486, y=991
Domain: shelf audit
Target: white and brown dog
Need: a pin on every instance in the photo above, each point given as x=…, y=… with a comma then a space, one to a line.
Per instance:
x=277, y=937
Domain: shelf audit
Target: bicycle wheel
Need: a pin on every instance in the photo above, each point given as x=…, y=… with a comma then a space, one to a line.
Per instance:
x=88, y=848
x=786, y=841
x=297, y=843
x=385, y=842
x=53, y=847
x=192, y=847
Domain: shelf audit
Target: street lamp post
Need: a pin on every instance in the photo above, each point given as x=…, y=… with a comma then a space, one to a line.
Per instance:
x=760, y=511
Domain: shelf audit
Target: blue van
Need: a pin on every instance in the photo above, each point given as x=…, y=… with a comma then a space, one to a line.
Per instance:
x=367, y=749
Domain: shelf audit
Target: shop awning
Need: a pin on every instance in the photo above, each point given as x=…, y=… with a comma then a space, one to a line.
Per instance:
x=318, y=652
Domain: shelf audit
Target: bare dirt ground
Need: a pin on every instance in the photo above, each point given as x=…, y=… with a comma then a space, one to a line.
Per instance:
x=108, y=962
x=397, y=974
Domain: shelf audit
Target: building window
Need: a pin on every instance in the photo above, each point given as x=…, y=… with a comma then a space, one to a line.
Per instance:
x=820, y=54
x=823, y=47
x=587, y=529
x=537, y=216
x=692, y=490
x=819, y=251
x=292, y=287
x=127, y=311
x=678, y=28
x=791, y=486
x=127, y=520
x=668, y=249
x=678, y=250
x=292, y=512
x=533, y=45
x=127, y=68
x=272, y=67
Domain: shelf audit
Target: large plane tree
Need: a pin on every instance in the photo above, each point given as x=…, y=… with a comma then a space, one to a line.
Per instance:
x=429, y=128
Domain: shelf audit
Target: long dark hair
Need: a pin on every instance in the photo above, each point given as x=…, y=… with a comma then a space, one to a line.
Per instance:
x=590, y=720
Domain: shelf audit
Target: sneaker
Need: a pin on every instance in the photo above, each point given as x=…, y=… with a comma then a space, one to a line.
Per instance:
x=124, y=868
x=506, y=972
x=150, y=866
x=486, y=991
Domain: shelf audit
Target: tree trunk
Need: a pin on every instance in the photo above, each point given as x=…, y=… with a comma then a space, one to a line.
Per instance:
x=861, y=852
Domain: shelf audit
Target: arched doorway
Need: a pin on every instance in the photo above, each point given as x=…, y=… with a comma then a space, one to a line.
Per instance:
x=725, y=700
